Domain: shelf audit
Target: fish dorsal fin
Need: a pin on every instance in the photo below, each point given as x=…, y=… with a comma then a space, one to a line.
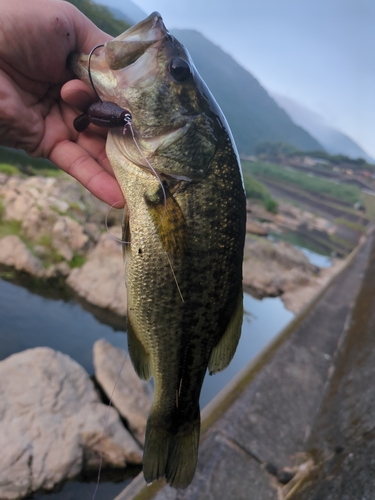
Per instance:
x=224, y=350
x=169, y=221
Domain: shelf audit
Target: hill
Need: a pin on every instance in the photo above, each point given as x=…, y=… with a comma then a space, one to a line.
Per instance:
x=252, y=113
x=333, y=141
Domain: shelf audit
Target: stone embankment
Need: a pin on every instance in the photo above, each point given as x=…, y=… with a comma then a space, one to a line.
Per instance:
x=53, y=228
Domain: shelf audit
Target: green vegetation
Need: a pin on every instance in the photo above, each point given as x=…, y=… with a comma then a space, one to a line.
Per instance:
x=257, y=191
x=279, y=151
x=354, y=226
x=77, y=261
x=343, y=192
x=7, y=169
x=270, y=149
x=369, y=202
x=101, y=16
x=9, y=228
x=25, y=164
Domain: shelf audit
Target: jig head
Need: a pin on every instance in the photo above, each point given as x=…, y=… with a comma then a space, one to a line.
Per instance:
x=103, y=114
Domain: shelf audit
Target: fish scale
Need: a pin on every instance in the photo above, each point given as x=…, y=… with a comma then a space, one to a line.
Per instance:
x=186, y=227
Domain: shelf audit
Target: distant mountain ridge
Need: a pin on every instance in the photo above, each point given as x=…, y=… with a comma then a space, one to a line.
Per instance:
x=129, y=12
x=252, y=113
x=333, y=141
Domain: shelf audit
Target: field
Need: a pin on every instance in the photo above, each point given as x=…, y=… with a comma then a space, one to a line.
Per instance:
x=324, y=198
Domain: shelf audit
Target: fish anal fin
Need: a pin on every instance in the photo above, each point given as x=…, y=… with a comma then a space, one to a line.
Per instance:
x=224, y=350
x=169, y=221
x=138, y=355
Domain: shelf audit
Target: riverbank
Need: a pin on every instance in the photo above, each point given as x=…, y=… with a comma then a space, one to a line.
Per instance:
x=53, y=229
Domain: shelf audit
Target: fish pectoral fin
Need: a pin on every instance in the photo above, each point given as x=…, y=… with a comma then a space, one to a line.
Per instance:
x=138, y=355
x=169, y=221
x=224, y=350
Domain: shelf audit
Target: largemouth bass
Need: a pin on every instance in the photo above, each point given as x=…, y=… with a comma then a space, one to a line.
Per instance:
x=185, y=199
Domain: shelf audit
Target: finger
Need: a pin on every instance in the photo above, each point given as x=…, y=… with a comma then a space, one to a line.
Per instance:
x=92, y=134
x=78, y=95
x=75, y=160
x=95, y=147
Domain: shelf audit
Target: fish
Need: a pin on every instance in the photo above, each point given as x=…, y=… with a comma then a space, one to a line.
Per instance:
x=179, y=171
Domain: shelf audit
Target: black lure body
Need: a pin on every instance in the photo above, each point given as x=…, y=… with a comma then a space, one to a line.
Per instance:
x=103, y=114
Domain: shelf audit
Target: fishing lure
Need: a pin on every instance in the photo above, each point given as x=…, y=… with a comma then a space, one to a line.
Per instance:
x=103, y=114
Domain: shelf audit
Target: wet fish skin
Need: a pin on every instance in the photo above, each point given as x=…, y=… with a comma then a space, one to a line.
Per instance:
x=184, y=261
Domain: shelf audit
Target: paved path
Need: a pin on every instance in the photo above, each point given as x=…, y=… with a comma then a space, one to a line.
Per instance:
x=308, y=401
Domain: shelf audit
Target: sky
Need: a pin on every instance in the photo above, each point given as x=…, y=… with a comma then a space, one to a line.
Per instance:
x=320, y=53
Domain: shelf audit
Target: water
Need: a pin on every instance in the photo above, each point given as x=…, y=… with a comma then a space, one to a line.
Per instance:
x=316, y=251
x=29, y=320
x=316, y=258
x=263, y=319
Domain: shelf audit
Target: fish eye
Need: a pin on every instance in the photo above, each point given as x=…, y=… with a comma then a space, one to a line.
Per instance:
x=179, y=69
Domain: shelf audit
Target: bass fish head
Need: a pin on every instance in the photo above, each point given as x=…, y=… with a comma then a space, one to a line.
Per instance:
x=175, y=120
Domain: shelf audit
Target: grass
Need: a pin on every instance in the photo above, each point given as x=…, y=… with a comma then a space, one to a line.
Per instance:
x=12, y=227
x=369, y=202
x=255, y=190
x=343, y=192
x=77, y=261
x=7, y=169
x=354, y=226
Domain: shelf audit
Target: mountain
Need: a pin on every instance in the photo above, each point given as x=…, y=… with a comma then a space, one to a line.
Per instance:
x=252, y=113
x=101, y=16
x=333, y=141
x=128, y=11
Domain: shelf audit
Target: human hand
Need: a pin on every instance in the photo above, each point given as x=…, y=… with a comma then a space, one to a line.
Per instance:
x=35, y=41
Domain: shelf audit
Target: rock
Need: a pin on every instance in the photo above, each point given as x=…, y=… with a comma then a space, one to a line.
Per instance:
x=51, y=423
x=68, y=237
x=270, y=268
x=295, y=299
x=101, y=280
x=131, y=397
x=254, y=227
x=38, y=223
x=14, y=252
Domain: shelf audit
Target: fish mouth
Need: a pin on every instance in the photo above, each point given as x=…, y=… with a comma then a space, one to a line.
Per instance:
x=137, y=40
x=122, y=53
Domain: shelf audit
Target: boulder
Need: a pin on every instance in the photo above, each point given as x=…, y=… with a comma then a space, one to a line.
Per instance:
x=132, y=397
x=68, y=237
x=101, y=280
x=270, y=269
x=38, y=222
x=254, y=227
x=14, y=252
x=52, y=423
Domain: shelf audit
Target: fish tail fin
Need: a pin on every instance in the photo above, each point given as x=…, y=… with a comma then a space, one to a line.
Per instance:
x=172, y=455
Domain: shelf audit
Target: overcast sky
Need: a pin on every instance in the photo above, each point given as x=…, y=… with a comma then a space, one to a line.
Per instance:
x=319, y=52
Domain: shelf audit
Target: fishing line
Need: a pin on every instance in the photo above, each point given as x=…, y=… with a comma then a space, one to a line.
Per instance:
x=107, y=228
x=105, y=427
x=89, y=70
x=152, y=170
